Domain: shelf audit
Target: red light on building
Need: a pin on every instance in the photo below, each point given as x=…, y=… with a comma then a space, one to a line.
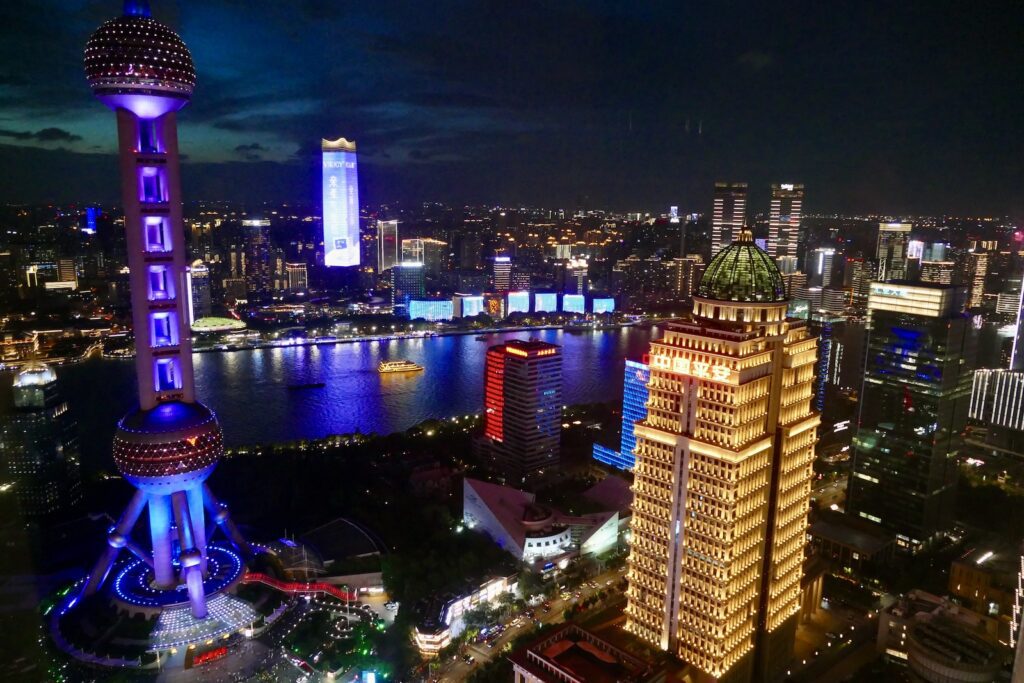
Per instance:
x=494, y=392
x=209, y=656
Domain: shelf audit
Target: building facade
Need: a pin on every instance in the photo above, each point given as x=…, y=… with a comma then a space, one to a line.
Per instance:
x=634, y=410
x=913, y=409
x=723, y=475
x=893, y=251
x=784, y=220
x=728, y=214
x=387, y=245
x=523, y=406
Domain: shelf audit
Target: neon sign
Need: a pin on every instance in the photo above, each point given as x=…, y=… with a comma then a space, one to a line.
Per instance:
x=694, y=368
x=209, y=656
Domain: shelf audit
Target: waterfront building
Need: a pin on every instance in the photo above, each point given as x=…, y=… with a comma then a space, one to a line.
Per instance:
x=407, y=282
x=892, y=252
x=723, y=475
x=545, y=302
x=518, y=302
x=523, y=406
x=257, y=266
x=784, y=236
x=728, y=214
x=39, y=445
x=574, y=303
x=387, y=245
x=634, y=411
x=531, y=532
x=200, y=301
x=168, y=447
x=602, y=304
x=913, y=409
x=340, y=202
x=467, y=305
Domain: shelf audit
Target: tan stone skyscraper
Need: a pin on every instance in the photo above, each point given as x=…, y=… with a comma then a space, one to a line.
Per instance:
x=723, y=475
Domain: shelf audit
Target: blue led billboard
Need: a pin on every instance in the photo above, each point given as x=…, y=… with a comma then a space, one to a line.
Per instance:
x=431, y=310
x=574, y=303
x=545, y=302
x=518, y=302
x=472, y=305
x=341, y=203
x=603, y=305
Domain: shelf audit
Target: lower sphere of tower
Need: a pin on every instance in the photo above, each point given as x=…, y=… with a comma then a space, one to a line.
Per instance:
x=171, y=447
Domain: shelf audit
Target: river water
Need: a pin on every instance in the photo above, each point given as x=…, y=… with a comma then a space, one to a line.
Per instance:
x=249, y=389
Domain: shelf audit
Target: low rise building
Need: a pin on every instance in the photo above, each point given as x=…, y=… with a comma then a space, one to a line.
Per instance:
x=573, y=654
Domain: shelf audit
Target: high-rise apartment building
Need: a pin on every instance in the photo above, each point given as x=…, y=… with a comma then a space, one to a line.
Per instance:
x=977, y=272
x=435, y=257
x=634, y=410
x=258, y=268
x=938, y=272
x=723, y=475
x=728, y=214
x=523, y=406
x=819, y=269
x=913, y=408
x=893, y=251
x=200, y=304
x=387, y=245
x=297, y=277
x=502, y=274
x=784, y=219
x=39, y=445
x=857, y=279
x=412, y=250
x=686, y=273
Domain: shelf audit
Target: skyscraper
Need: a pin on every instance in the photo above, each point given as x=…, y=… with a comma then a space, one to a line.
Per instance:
x=634, y=410
x=502, y=275
x=387, y=245
x=407, y=282
x=200, y=304
x=784, y=220
x=412, y=250
x=297, y=276
x=258, y=267
x=723, y=475
x=913, y=408
x=340, y=202
x=523, y=406
x=39, y=445
x=728, y=214
x=893, y=251
x=977, y=272
x=820, y=267
x=168, y=447
x=435, y=257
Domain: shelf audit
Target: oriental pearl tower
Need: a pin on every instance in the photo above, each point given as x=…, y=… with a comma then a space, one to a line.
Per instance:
x=167, y=448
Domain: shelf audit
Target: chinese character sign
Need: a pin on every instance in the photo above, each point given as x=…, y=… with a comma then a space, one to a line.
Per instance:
x=694, y=368
x=341, y=208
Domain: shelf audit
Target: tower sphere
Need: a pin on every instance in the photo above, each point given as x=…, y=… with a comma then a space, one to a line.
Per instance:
x=743, y=272
x=169, y=448
x=136, y=55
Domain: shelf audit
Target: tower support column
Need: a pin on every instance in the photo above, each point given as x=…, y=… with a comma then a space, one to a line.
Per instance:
x=160, y=533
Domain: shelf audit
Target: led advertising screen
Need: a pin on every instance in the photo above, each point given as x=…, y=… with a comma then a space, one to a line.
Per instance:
x=604, y=305
x=472, y=305
x=431, y=310
x=341, y=203
x=574, y=303
x=545, y=302
x=518, y=302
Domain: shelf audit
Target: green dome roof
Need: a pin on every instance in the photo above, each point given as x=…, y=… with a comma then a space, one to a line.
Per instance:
x=742, y=272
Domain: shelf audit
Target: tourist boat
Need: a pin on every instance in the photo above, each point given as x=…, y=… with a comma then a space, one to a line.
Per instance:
x=398, y=366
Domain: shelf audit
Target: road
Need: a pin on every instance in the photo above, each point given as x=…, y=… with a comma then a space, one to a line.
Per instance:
x=457, y=670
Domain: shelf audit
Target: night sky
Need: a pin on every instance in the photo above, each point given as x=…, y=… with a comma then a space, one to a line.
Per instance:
x=876, y=106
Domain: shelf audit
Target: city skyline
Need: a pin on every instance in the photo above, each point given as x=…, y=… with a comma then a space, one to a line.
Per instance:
x=436, y=107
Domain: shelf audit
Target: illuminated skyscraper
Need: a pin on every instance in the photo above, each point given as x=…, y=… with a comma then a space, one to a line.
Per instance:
x=502, y=273
x=39, y=445
x=728, y=215
x=412, y=250
x=893, y=251
x=298, y=277
x=341, y=202
x=634, y=410
x=200, y=303
x=387, y=245
x=723, y=475
x=977, y=271
x=435, y=257
x=820, y=267
x=523, y=406
x=407, y=282
x=784, y=220
x=913, y=408
x=167, y=448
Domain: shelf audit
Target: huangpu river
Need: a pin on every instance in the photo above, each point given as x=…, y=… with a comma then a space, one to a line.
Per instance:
x=249, y=391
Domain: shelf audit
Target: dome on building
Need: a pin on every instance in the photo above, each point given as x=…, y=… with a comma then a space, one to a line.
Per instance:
x=135, y=54
x=167, y=444
x=743, y=272
x=34, y=374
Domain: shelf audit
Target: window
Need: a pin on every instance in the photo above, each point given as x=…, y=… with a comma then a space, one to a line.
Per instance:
x=158, y=233
x=161, y=284
x=166, y=375
x=163, y=329
x=152, y=185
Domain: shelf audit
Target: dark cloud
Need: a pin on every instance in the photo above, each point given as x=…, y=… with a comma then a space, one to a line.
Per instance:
x=534, y=101
x=251, y=152
x=44, y=135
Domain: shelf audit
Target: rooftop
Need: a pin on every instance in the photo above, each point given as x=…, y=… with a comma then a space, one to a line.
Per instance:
x=742, y=272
